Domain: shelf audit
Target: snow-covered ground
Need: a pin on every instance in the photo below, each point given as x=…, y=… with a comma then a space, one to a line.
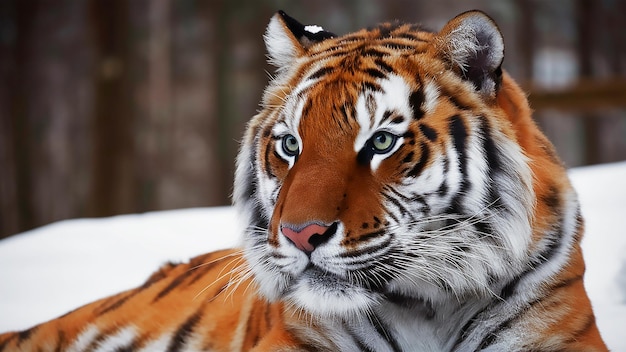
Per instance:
x=53, y=269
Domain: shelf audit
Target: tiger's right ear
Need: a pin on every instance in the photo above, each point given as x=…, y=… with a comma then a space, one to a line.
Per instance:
x=287, y=39
x=473, y=45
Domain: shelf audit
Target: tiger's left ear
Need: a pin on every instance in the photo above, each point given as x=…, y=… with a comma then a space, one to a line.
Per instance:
x=287, y=39
x=473, y=45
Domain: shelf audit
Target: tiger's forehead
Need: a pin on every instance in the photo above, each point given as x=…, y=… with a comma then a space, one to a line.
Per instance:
x=354, y=108
x=385, y=39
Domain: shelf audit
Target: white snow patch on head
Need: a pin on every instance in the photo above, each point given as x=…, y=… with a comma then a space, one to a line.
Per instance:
x=312, y=28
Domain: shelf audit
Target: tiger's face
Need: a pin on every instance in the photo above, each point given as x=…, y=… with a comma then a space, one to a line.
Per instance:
x=380, y=167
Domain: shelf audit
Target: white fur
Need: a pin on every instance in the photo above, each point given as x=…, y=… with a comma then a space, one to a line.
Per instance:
x=121, y=338
x=84, y=339
x=281, y=46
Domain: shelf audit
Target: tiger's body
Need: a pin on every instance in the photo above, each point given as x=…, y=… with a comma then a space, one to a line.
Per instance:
x=396, y=195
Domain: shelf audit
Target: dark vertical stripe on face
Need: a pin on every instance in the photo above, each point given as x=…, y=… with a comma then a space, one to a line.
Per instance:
x=425, y=155
x=489, y=147
x=347, y=114
x=428, y=132
x=386, y=116
x=416, y=99
x=459, y=134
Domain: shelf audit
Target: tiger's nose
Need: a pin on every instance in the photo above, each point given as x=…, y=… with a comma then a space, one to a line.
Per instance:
x=309, y=237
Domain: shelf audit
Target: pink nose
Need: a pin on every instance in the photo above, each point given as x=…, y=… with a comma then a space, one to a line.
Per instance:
x=309, y=237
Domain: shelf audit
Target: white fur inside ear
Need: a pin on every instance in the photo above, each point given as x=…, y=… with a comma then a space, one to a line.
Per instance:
x=473, y=44
x=282, y=47
x=476, y=41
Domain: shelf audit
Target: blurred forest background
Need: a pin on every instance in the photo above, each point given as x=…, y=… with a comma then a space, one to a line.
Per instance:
x=125, y=106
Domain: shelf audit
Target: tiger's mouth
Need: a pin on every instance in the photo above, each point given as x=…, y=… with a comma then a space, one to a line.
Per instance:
x=323, y=278
x=325, y=293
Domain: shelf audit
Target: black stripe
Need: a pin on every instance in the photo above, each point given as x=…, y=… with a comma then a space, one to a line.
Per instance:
x=491, y=337
x=589, y=324
x=398, y=119
x=360, y=252
x=218, y=292
x=494, y=166
x=459, y=134
x=9, y=338
x=543, y=257
x=115, y=303
x=552, y=199
x=25, y=335
x=424, y=157
x=386, y=116
x=383, y=65
x=373, y=52
x=321, y=72
x=250, y=333
x=362, y=346
x=442, y=191
x=375, y=73
x=566, y=283
x=347, y=114
x=201, y=270
x=489, y=147
x=131, y=347
x=457, y=103
x=416, y=99
x=391, y=214
x=371, y=86
x=159, y=275
x=395, y=45
x=182, y=334
x=60, y=341
x=409, y=157
x=429, y=132
x=172, y=285
x=267, y=163
x=386, y=335
x=385, y=29
x=102, y=336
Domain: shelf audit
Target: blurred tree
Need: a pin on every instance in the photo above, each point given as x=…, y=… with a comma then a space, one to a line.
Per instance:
x=117, y=106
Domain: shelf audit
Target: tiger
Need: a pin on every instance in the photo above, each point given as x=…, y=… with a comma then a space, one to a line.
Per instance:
x=394, y=194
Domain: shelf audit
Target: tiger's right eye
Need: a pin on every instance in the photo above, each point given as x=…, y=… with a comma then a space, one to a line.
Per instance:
x=290, y=145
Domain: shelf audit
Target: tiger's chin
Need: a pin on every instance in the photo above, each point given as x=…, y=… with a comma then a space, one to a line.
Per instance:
x=322, y=294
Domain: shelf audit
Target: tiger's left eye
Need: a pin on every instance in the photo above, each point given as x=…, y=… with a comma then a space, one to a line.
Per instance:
x=290, y=145
x=383, y=142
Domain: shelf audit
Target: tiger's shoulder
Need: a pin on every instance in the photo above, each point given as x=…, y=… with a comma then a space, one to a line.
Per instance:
x=207, y=304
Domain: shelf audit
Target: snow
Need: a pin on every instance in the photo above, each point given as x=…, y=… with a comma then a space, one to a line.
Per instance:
x=50, y=270
x=313, y=28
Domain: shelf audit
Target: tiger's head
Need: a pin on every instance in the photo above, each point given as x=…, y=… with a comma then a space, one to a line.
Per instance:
x=386, y=163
